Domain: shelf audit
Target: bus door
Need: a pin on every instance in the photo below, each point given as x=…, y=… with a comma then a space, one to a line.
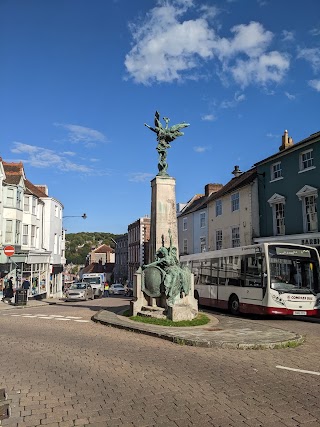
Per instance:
x=214, y=281
x=223, y=280
x=251, y=269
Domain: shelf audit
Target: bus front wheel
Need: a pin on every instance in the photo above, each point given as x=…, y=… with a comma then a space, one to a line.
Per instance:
x=234, y=305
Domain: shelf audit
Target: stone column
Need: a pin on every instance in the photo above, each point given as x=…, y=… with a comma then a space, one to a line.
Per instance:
x=163, y=214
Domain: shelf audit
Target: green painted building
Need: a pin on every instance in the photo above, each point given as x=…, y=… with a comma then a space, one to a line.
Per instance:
x=289, y=184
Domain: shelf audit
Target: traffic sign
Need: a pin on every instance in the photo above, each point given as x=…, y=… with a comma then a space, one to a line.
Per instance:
x=9, y=250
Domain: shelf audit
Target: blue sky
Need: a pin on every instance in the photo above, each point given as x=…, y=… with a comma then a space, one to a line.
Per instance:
x=79, y=78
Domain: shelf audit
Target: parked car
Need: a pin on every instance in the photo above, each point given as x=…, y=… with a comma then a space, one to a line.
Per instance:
x=79, y=291
x=117, y=289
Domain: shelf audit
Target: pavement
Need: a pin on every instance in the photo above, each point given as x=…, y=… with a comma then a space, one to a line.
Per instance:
x=223, y=331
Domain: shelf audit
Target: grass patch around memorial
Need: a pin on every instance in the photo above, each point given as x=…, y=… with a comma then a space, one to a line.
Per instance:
x=201, y=319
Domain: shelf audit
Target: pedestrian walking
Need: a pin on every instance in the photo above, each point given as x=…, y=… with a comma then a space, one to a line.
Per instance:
x=26, y=285
x=106, y=290
x=8, y=291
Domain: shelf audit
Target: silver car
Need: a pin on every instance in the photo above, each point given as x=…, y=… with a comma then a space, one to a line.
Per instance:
x=79, y=291
x=117, y=289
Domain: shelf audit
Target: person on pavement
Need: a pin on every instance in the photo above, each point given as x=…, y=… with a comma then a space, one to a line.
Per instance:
x=106, y=290
x=26, y=285
x=8, y=291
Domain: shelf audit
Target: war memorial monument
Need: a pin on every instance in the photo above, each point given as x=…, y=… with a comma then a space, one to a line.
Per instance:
x=163, y=288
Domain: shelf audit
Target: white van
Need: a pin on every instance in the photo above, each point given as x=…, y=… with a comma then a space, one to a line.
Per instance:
x=97, y=281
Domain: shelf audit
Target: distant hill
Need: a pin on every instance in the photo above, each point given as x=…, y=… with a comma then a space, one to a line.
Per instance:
x=78, y=245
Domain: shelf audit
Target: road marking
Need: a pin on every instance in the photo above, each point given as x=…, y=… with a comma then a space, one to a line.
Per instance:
x=49, y=317
x=303, y=371
x=56, y=315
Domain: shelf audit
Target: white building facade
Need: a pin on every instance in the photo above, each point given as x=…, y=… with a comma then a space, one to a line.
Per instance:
x=27, y=224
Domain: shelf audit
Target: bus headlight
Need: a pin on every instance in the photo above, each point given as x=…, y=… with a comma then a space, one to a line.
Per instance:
x=277, y=299
x=317, y=302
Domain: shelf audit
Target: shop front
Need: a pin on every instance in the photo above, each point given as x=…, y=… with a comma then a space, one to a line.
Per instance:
x=32, y=266
x=37, y=270
x=56, y=281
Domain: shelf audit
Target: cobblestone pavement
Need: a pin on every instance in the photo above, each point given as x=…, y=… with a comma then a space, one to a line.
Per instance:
x=62, y=373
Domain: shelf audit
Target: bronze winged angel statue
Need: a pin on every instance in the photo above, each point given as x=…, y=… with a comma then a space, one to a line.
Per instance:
x=164, y=136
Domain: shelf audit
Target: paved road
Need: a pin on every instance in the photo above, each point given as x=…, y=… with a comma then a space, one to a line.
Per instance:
x=60, y=369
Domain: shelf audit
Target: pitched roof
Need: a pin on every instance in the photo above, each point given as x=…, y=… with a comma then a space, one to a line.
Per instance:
x=234, y=184
x=32, y=189
x=103, y=249
x=312, y=137
x=14, y=172
x=98, y=267
x=13, y=179
x=13, y=168
x=193, y=204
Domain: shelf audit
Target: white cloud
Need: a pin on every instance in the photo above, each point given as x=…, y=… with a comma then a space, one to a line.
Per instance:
x=315, y=32
x=287, y=36
x=272, y=135
x=68, y=153
x=39, y=157
x=201, y=149
x=208, y=118
x=268, y=67
x=290, y=96
x=251, y=40
x=167, y=48
x=140, y=177
x=82, y=134
x=209, y=12
x=315, y=84
x=311, y=55
x=234, y=102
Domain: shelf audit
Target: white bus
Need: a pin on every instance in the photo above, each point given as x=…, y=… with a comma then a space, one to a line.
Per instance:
x=267, y=278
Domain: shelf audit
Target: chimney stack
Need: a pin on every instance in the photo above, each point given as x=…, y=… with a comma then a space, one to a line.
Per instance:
x=287, y=141
x=212, y=188
x=236, y=172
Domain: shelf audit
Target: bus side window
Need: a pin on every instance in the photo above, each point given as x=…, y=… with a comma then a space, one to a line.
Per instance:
x=234, y=271
x=253, y=271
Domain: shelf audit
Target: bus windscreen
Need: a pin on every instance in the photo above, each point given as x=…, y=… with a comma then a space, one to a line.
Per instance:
x=293, y=270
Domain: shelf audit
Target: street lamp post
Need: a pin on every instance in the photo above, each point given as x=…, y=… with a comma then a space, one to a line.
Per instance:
x=84, y=216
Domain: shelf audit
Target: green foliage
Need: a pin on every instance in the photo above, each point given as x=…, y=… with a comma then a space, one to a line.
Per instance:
x=79, y=245
x=201, y=319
